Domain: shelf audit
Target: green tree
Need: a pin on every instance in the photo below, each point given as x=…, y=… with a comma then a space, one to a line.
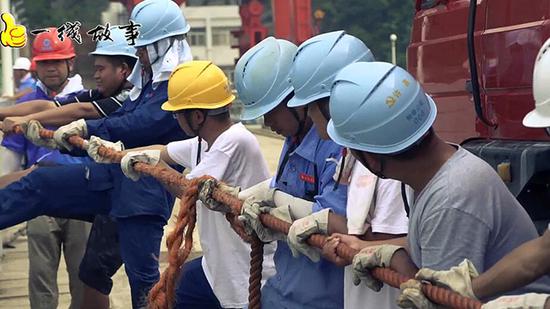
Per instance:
x=372, y=21
x=46, y=13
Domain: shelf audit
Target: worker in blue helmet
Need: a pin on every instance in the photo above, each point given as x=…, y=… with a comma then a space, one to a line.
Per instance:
x=303, y=183
x=142, y=208
x=462, y=209
x=375, y=207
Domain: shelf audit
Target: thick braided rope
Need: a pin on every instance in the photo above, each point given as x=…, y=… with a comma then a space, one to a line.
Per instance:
x=436, y=294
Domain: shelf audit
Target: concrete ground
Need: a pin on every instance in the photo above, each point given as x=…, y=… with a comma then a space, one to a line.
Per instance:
x=14, y=266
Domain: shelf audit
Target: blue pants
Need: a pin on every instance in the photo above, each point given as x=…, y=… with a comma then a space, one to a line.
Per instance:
x=73, y=191
x=193, y=290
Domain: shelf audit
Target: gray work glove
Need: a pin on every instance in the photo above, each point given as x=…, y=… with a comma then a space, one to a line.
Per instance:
x=93, y=147
x=151, y=157
x=31, y=130
x=301, y=229
x=370, y=257
x=205, y=194
x=250, y=217
x=61, y=135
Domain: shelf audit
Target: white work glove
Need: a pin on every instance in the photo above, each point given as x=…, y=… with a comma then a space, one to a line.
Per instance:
x=458, y=279
x=260, y=191
x=77, y=127
x=370, y=257
x=301, y=229
x=93, y=147
x=31, y=130
x=205, y=194
x=530, y=301
x=151, y=157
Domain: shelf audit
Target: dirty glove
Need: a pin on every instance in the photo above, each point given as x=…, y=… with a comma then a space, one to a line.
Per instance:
x=250, y=217
x=458, y=278
x=370, y=257
x=302, y=228
x=93, y=147
x=412, y=296
x=260, y=191
x=531, y=301
x=61, y=135
x=151, y=157
x=31, y=130
x=205, y=194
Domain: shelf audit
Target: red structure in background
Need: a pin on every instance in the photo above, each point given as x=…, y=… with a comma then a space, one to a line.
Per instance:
x=292, y=20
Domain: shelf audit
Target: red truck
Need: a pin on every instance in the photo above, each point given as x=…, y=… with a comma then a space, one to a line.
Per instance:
x=476, y=58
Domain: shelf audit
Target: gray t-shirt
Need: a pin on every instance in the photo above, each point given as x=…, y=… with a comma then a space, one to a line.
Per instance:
x=466, y=211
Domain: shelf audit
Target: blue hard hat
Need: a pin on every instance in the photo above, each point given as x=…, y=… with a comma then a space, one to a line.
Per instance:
x=317, y=62
x=117, y=47
x=159, y=19
x=378, y=107
x=261, y=76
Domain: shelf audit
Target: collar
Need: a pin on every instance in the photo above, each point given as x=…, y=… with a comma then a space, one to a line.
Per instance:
x=74, y=84
x=26, y=77
x=308, y=147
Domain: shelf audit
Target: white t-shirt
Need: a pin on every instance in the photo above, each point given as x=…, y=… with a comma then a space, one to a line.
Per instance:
x=385, y=215
x=236, y=159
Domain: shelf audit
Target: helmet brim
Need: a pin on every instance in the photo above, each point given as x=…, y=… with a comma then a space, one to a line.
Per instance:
x=54, y=57
x=298, y=102
x=535, y=120
x=170, y=107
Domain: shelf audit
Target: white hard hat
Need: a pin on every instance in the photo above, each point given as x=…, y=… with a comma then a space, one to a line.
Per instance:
x=540, y=116
x=22, y=63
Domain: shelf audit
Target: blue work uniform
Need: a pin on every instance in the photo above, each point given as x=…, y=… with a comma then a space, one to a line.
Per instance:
x=27, y=82
x=141, y=208
x=18, y=143
x=306, y=171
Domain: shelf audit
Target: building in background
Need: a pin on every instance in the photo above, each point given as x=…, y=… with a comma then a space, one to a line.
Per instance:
x=210, y=36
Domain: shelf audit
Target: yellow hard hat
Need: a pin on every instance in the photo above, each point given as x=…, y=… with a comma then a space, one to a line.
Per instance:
x=197, y=84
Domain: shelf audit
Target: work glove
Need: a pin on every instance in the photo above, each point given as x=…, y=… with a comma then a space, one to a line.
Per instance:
x=530, y=301
x=260, y=191
x=412, y=296
x=370, y=257
x=458, y=278
x=151, y=157
x=93, y=147
x=31, y=130
x=205, y=194
x=61, y=135
x=301, y=229
x=250, y=217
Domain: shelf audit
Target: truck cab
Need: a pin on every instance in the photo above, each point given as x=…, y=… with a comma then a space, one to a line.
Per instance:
x=506, y=36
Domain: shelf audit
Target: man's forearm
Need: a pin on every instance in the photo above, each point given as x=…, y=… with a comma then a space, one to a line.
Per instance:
x=65, y=114
x=522, y=266
x=402, y=263
x=6, y=180
x=25, y=108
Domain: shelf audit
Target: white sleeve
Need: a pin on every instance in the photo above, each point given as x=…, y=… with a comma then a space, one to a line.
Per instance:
x=389, y=214
x=181, y=152
x=214, y=164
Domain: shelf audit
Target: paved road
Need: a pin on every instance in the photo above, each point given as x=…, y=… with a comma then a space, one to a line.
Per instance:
x=14, y=266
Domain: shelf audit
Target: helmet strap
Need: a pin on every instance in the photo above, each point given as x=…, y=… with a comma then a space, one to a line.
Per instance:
x=301, y=122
